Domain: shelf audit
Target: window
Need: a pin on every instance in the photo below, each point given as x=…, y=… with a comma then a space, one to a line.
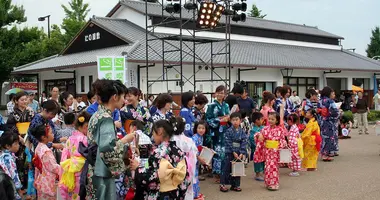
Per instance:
x=90, y=81
x=82, y=84
x=301, y=84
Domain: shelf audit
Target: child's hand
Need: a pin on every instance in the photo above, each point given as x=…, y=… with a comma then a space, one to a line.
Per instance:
x=134, y=164
x=261, y=137
x=58, y=146
x=118, y=124
x=202, y=161
x=241, y=157
x=236, y=156
x=21, y=193
x=63, y=139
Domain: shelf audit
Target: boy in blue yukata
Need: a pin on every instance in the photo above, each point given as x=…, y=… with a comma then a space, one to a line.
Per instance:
x=235, y=149
x=257, y=125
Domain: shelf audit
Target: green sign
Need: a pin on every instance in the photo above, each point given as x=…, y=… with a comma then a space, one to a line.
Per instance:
x=112, y=68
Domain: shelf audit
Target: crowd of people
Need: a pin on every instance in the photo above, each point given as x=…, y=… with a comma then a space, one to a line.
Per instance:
x=122, y=145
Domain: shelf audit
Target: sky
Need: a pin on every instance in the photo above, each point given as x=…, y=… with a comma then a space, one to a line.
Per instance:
x=351, y=19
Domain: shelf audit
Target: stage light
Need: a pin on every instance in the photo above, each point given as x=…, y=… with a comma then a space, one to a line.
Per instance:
x=228, y=12
x=219, y=9
x=240, y=6
x=173, y=8
x=190, y=6
x=239, y=17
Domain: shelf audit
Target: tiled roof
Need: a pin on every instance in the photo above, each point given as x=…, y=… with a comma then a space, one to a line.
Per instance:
x=243, y=53
x=155, y=10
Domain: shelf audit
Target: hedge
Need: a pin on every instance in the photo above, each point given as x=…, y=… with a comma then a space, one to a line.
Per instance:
x=374, y=115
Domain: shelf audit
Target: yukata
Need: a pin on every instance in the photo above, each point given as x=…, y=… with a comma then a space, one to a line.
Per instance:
x=268, y=151
x=258, y=167
x=198, y=114
x=235, y=142
x=116, y=115
x=187, y=114
x=198, y=140
x=66, y=132
x=264, y=111
x=8, y=165
x=139, y=113
x=72, y=160
x=188, y=147
x=45, y=180
x=289, y=108
x=311, y=144
x=18, y=116
x=329, y=115
x=109, y=156
x=148, y=177
x=293, y=139
x=216, y=136
x=158, y=115
x=38, y=120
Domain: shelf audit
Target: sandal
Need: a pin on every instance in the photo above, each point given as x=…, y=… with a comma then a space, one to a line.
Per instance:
x=200, y=197
x=259, y=178
x=326, y=159
x=217, y=181
x=272, y=188
x=236, y=189
x=223, y=188
x=202, y=178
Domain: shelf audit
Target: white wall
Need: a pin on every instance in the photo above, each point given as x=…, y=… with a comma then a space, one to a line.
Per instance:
x=131, y=15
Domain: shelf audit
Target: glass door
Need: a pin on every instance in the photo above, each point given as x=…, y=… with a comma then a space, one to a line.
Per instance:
x=255, y=91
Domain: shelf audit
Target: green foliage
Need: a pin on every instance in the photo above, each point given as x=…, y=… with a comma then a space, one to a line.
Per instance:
x=71, y=27
x=255, y=12
x=374, y=115
x=77, y=11
x=373, y=48
x=10, y=14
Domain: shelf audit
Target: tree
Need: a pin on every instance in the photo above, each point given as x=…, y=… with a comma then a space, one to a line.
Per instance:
x=10, y=14
x=255, y=12
x=75, y=18
x=373, y=48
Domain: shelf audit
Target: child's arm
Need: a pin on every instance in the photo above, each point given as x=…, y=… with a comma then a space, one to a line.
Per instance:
x=243, y=146
x=11, y=170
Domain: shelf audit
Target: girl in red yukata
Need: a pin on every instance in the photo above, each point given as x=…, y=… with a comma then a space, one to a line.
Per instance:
x=293, y=138
x=272, y=138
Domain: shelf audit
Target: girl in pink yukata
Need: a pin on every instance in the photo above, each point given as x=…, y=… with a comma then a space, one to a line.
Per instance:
x=72, y=161
x=271, y=139
x=293, y=138
x=47, y=170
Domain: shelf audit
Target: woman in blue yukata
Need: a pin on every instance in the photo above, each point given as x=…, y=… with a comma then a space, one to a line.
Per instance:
x=311, y=102
x=285, y=92
x=163, y=104
x=217, y=117
x=188, y=100
x=329, y=124
x=199, y=108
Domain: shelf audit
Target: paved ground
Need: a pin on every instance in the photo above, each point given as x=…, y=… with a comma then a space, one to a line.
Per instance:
x=354, y=175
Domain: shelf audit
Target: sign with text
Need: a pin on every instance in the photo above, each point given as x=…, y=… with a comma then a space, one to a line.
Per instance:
x=112, y=68
x=27, y=86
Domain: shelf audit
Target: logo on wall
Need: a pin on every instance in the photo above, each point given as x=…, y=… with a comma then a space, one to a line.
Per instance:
x=92, y=37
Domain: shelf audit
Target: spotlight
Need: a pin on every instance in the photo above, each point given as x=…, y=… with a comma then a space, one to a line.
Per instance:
x=190, y=6
x=239, y=17
x=173, y=8
x=219, y=9
x=240, y=6
x=205, y=14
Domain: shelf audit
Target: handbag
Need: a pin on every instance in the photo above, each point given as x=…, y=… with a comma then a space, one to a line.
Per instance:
x=285, y=156
x=237, y=168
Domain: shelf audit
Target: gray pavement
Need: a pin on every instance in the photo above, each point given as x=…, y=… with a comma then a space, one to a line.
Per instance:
x=354, y=175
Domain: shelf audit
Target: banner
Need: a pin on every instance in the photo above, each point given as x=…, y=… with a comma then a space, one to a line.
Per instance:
x=26, y=86
x=112, y=68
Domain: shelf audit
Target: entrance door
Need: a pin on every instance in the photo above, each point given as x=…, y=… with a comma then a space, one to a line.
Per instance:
x=256, y=89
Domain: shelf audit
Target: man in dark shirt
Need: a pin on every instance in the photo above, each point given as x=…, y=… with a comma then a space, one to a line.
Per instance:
x=362, y=111
x=246, y=103
x=231, y=99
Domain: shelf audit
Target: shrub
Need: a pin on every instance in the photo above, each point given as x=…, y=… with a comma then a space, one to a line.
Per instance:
x=349, y=115
x=374, y=115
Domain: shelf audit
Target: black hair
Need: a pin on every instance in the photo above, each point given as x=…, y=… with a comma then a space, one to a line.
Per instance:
x=11, y=96
x=277, y=117
x=151, y=95
x=19, y=95
x=82, y=118
x=186, y=98
x=90, y=94
x=51, y=106
x=294, y=91
x=243, y=113
x=220, y=88
x=235, y=115
x=277, y=89
x=294, y=118
x=63, y=97
x=310, y=93
x=238, y=89
x=201, y=99
x=154, y=103
x=256, y=116
x=135, y=91
x=200, y=122
x=8, y=138
x=171, y=126
x=162, y=100
x=69, y=118
x=326, y=92
x=105, y=89
x=38, y=131
x=138, y=124
x=313, y=112
x=284, y=90
x=44, y=92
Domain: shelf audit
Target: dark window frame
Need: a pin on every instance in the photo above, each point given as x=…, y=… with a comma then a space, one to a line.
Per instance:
x=82, y=84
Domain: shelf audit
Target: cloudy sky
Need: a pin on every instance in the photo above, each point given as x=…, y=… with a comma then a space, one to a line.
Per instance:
x=352, y=19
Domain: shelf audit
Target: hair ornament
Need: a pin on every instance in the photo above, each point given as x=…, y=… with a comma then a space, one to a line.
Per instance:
x=81, y=119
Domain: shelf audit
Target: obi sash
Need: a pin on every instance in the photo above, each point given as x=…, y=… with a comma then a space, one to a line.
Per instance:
x=70, y=167
x=272, y=144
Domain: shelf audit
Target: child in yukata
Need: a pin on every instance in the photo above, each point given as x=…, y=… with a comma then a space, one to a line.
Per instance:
x=72, y=161
x=293, y=139
x=200, y=128
x=271, y=140
x=257, y=121
x=9, y=142
x=235, y=150
x=47, y=169
x=312, y=141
